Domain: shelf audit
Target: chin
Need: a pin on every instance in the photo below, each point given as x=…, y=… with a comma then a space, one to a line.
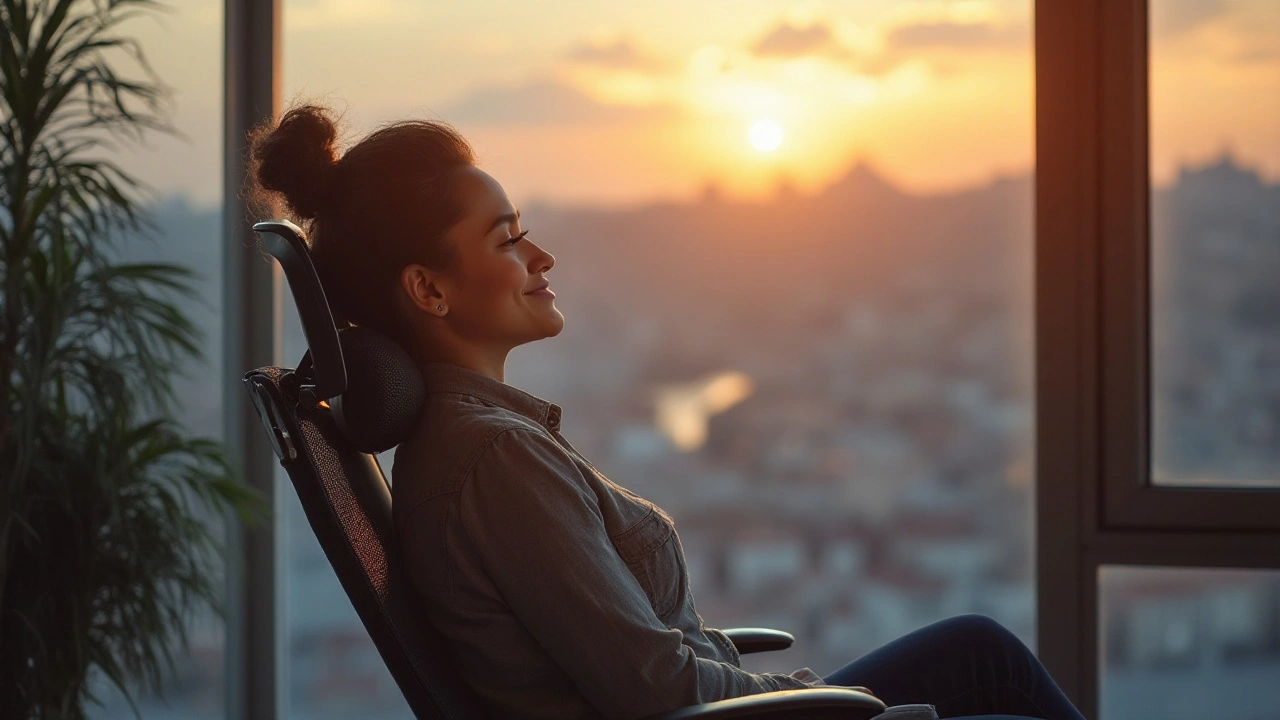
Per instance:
x=542, y=326
x=554, y=325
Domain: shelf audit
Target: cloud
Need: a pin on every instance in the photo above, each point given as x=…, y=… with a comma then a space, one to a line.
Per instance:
x=1258, y=56
x=1172, y=17
x=619, y=54
x=541, y=102
x=341, y=14
x=953, y=35
x=787, y=40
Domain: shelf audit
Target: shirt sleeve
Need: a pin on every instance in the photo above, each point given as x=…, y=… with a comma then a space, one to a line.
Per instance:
x=536, y=526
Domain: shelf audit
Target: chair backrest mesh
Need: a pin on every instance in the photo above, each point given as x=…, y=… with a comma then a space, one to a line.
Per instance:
x=347, y=501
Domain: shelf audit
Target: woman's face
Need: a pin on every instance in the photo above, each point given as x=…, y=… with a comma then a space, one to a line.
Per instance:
x=495, y=290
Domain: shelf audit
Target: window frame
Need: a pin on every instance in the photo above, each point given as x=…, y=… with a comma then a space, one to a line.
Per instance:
x=1095, y=502
x=255, y=663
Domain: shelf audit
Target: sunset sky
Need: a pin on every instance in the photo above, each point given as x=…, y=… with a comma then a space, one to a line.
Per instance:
x=620, y=103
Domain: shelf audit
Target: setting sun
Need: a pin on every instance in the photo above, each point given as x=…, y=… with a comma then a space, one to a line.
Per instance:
x=765, y=135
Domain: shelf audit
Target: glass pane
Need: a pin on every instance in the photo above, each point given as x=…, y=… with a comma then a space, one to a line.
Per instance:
x=1189, y=643
x=1215, y=231
x=794, y=256
x=183, y=43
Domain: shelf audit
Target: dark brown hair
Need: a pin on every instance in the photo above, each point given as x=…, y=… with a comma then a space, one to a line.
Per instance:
x=383, y=204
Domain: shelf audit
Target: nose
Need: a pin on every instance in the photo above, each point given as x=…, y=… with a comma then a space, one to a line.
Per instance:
x=541, y=261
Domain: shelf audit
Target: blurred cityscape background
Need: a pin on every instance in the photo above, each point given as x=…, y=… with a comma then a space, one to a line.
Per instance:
x=825, y=377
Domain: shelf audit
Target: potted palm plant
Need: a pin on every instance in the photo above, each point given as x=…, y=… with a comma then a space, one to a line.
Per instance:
x=104, y=551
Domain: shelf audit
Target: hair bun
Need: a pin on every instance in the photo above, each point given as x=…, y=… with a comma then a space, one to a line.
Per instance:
x=297, y=158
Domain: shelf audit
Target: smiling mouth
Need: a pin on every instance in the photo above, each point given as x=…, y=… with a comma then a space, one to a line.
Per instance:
x=543, y=289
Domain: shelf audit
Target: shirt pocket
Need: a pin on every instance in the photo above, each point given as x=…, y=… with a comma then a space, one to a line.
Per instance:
x=650, y=550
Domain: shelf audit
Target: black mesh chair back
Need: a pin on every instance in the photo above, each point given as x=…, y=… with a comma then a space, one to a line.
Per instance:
x=343, y=491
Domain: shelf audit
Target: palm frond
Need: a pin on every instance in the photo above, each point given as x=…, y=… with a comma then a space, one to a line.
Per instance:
x=109, y=531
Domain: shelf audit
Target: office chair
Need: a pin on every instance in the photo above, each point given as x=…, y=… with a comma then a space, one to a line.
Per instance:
x=355, y=393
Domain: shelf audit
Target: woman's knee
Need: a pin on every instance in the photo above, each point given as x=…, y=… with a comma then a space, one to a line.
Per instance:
x=974, y=629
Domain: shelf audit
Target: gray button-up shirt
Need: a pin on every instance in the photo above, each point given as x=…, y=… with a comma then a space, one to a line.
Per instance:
x=563, y=594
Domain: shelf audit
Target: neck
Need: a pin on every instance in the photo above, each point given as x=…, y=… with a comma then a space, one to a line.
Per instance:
x=491, y=362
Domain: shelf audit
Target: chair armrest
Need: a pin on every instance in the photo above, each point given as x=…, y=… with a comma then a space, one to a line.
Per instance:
x=753, y=640
x=818, y=703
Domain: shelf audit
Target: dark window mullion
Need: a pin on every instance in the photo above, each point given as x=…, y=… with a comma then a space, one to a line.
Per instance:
x=1124, y=362
x=1066, y=266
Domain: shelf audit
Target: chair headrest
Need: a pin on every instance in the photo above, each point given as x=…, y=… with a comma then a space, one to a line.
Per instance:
x=374, y=390
x=384, y=392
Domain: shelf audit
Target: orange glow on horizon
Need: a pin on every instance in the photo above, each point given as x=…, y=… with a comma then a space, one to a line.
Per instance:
x=587, y=103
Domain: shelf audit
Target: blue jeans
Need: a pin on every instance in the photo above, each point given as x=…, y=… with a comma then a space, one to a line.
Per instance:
x=965, y=666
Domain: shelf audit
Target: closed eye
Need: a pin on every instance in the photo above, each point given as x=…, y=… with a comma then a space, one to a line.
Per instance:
x=516, y=239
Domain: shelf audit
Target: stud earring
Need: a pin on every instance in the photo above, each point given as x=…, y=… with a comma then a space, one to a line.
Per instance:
x=439, y=308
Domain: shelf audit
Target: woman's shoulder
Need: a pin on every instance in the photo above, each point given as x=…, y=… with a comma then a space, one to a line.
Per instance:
x=453, y=418
x=451, y=434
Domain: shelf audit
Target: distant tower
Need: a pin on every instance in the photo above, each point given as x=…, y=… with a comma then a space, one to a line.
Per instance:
x=1226, y=156
x=711, y=193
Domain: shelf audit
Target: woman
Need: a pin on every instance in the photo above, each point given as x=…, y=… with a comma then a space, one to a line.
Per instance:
x=564, y=595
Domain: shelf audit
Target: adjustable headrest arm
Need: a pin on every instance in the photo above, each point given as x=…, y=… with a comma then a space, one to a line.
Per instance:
x=283, y=240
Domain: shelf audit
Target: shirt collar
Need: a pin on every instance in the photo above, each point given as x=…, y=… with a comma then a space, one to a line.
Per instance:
x=449, y=378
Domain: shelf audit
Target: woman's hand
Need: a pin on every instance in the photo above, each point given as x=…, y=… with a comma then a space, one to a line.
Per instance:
x=804, y=674
x=813, y=678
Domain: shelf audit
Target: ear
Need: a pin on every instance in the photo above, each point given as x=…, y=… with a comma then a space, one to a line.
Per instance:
x=421, y=286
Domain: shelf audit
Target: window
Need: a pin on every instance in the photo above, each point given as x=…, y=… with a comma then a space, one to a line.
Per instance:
x=1188, y=642
x=1215, y=180
x=1119, y=480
